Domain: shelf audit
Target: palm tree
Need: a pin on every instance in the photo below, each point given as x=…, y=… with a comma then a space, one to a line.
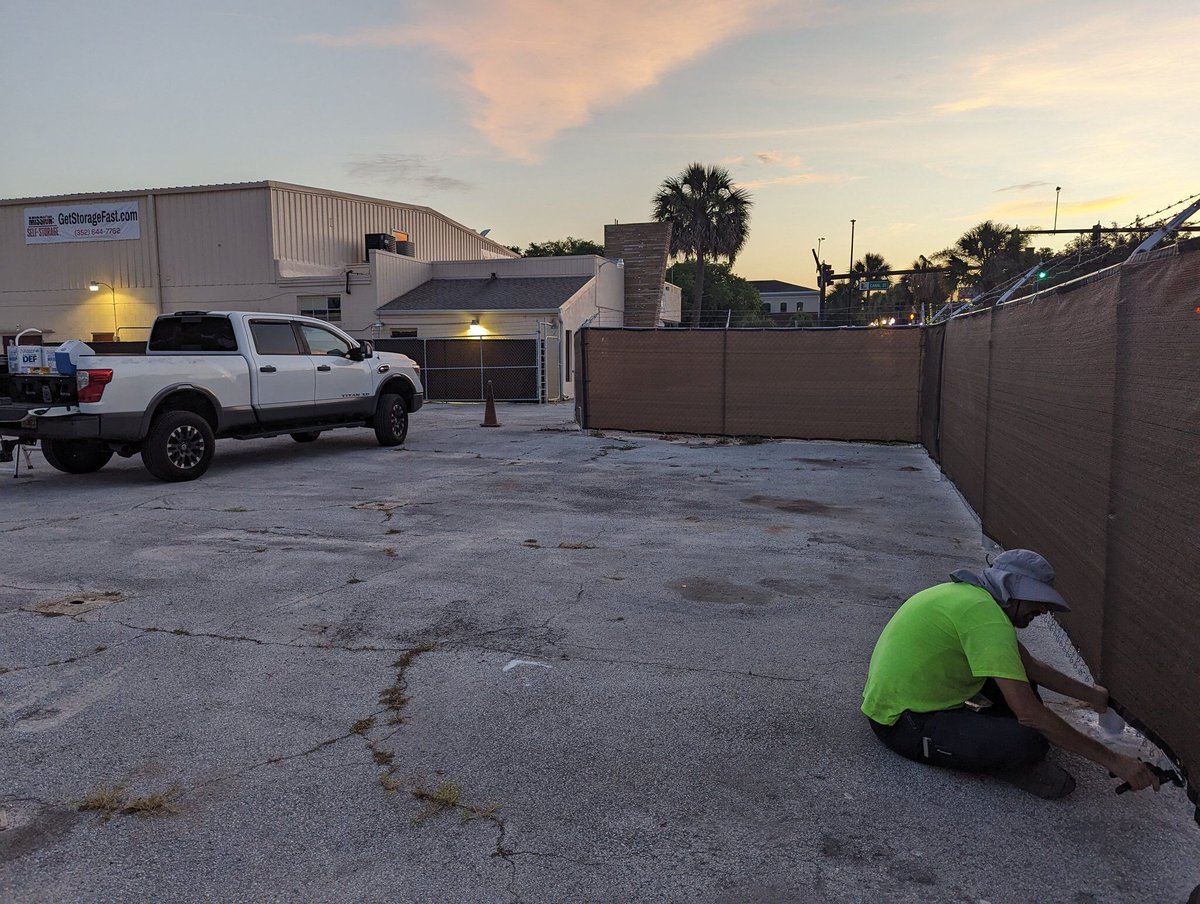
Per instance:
x=709, y=218
x=995, y=249
x=929, y=286
x=870, y=266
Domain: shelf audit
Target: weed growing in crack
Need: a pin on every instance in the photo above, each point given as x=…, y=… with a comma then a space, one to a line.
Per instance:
x=448, y=796
x=156, y=804
x=393, y=698
x=362, y=726
x=183, y=632
x=111, y=800
x=407, y=657
x=107, y=800
x=236, y=508
x=383, y=757
x=390, y=552
x=354, y=579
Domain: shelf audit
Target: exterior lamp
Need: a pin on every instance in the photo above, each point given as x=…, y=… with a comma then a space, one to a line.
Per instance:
x=94, y=286
x=475, y=329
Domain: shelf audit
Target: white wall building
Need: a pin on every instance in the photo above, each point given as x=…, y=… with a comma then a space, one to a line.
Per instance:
x=266, y=246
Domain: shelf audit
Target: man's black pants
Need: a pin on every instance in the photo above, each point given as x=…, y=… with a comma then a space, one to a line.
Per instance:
x=985, y=741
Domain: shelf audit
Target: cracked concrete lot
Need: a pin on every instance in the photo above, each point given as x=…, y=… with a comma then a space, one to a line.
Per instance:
x=520, y=664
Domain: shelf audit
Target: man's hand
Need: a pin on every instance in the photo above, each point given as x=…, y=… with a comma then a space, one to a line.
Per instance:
x=1134, y=772
x=1099, y=698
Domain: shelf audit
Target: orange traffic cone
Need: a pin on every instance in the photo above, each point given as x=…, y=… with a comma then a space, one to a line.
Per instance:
x=489, y=414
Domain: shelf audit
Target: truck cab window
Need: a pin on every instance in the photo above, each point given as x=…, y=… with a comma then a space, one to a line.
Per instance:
x=323, y=342
x=274, y=338
x=192, y=333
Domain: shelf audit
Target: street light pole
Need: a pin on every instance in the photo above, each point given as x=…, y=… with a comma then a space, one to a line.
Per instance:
x=94, y=286
x=850, y=275
x=1057, y=189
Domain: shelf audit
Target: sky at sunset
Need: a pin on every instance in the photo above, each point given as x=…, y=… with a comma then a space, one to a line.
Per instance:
x=539, y=119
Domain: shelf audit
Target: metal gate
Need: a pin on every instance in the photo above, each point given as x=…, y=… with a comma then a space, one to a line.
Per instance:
x=520, y=368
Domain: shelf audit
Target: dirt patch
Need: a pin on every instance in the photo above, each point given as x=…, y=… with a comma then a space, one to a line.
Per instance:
x=705, y=590
x=30, y=828
x=76, y=604
x=830, y=463
x=799, y=506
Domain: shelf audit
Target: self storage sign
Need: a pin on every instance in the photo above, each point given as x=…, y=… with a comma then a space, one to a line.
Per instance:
x=82, y=223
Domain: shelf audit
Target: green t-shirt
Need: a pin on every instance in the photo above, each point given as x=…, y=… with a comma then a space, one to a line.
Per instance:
x=937, y=650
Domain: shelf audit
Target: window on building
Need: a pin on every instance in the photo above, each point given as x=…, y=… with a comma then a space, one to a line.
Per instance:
x=103, y=337
x=323, y=307
x=404, y=334
x=766, y=307
x=783, y=307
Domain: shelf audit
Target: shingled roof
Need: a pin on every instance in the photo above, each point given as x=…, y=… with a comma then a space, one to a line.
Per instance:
x=775, y=285
x=522, y=293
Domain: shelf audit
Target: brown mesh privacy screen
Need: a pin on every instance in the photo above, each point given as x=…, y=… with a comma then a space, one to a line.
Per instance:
x=1152, y=610
x=1049, y=441
x=964, y=404
x=931, y=390
x=836, y=384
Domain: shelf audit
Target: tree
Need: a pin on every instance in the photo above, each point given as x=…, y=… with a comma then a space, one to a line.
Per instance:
x=872, y=267
x=563, y=247
x=996, y=249
x=931, y=287
x=709, y=218
x=730, y=299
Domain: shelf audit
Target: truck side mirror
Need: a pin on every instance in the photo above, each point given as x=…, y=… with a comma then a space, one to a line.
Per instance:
x=362, y=351
x=368, y=348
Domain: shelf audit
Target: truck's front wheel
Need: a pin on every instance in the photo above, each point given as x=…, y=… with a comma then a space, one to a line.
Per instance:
x=75, y=456
x=180, y=446
x=391, y=420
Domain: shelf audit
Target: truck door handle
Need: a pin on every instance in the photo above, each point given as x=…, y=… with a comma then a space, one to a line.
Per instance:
x=268, y=369
x=324, y=367
x=383, y=368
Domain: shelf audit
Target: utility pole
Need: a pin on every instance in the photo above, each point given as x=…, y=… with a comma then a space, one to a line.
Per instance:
x=1057, y=189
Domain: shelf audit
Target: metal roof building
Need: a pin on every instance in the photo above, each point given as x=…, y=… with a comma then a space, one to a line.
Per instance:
x=268, y=246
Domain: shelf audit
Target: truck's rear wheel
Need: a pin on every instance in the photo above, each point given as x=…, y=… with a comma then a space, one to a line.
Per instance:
x=391, y=420
x=180, y=446
x=75, y=456
x=307, y=436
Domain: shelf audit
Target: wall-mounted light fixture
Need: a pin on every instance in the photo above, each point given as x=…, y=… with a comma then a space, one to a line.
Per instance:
x=475, y=329
x=94, y=286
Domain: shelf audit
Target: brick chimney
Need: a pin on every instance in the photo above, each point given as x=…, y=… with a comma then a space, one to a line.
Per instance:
x=643, y=247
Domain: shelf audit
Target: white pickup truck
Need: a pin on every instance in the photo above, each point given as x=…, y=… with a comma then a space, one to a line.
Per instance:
x=205, y=375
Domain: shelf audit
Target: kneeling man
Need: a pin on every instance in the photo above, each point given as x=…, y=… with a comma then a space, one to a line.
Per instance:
x=950, y=685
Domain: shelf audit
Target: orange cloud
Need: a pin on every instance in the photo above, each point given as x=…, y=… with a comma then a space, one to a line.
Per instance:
x=1024, y=210
x=533, y=68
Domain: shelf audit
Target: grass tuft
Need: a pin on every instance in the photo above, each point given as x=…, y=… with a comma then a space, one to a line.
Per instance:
x=108, y=800
x=157, y=804
x=362, y=726
x=393, y=698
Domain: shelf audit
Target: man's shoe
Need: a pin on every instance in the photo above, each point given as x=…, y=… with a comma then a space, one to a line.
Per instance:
x=1044, y=780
